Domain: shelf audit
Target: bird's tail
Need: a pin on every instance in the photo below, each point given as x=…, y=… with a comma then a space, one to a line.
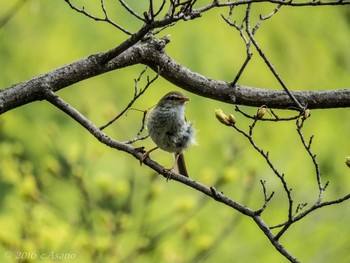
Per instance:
x=181, y=165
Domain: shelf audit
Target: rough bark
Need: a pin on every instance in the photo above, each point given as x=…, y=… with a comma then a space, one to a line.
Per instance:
x=151, y=52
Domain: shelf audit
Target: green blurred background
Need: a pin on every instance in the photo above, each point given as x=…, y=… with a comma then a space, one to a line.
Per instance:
x=63, y=194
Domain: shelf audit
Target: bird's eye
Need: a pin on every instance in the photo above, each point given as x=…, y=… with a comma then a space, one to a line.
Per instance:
x=172, y=97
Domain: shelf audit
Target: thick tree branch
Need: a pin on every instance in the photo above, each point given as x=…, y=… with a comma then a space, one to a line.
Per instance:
x=143, y=48
x=151, y=52
x=138, y=154
x=217, y=3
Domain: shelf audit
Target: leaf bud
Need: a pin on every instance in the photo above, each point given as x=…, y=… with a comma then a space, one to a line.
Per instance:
x=232, y=118
x=261, y=112
x=222, y=117
x=306, y=114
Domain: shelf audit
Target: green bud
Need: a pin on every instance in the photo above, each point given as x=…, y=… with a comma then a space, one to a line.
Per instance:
x=232, y=118
x=222, y=117
x=261, y=112
x=306, y=114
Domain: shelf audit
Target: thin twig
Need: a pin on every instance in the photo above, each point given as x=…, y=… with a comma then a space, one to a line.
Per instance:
x=160, y=8
x=105, y=19
x=263, y=18
x=267, y=61
x=266, y=156
x=137, y=94
x=266, y=198
x=275, y=118
x=151, y=11
x=307, y=146
x=131, y=11
x=138, y=135
x=217, y=3
x=246, y=42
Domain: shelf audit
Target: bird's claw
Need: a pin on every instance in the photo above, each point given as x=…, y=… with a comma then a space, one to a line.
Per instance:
x=168, y=173
x=144, y=156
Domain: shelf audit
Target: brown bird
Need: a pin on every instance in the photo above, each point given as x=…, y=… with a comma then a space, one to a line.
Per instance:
x=169, y=129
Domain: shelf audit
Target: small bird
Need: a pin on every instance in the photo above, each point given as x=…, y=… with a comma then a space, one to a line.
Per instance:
x=169, y=129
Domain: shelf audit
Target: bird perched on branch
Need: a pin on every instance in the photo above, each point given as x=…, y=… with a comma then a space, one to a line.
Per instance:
x=169, y=129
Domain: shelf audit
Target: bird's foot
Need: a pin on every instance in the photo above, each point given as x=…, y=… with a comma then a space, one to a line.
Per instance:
x=169, y=173
x=144, y=156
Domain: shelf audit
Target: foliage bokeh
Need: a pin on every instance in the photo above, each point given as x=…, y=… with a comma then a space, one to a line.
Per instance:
x=64, y=192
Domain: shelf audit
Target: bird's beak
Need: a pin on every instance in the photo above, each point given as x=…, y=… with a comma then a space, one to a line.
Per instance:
x=185, y=99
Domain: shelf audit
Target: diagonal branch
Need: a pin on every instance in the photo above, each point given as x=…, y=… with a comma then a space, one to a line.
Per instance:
x=131, y=11
x=138, y=154
x=51, y=97
x=151, y=52
x=264, y=57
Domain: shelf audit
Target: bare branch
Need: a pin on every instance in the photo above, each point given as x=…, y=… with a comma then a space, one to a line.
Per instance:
x=151, y=52
x=275, y=118
x=274, y=241
x=267, y=61
x=131, y=11
x=138, y=153
x=263, y=18
x=138, y=92
x=143, y=48
x=138, y=135
x=300, y=207
x=265, y=155
x=247, y=42
x=316, y=206
x=307, y=146
x=160, y=8
x=151, y=11
x=266, y=198
x=292, y=3
x=105, y=19
x=307, y=3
